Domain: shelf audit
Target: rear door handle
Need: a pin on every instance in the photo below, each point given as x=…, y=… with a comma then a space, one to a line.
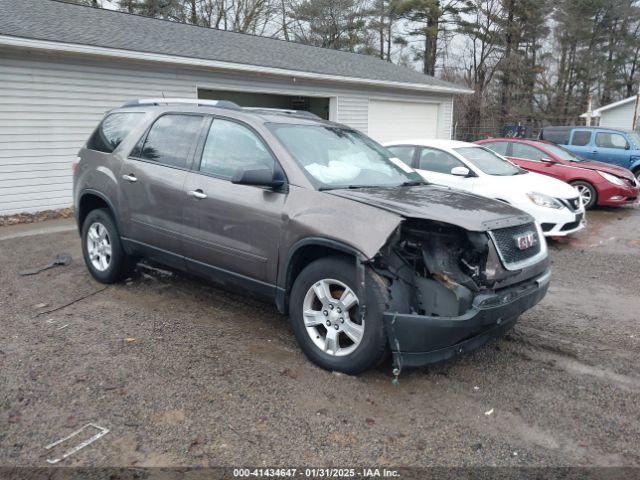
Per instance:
x=199, y=194
x=130, y=178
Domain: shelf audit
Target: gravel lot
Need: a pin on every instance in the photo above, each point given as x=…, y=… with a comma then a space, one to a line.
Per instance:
x=185, y=374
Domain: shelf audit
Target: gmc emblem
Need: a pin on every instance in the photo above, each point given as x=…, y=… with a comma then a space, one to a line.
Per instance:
x=526, y=240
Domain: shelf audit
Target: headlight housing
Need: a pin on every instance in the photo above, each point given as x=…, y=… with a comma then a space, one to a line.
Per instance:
x=611, y=178
x=543, y=200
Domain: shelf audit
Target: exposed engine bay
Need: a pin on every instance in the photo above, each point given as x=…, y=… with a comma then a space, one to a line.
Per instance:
x=437, y=269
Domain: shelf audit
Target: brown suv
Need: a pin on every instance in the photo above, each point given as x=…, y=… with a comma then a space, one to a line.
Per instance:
x=315, y=216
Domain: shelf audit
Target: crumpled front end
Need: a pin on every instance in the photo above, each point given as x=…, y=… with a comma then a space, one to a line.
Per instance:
x=452, y=290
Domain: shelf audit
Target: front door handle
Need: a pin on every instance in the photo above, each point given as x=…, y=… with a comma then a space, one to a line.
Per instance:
x=199, y=194
x=130, y=178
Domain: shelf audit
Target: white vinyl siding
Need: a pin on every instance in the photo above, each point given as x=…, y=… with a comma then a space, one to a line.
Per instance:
x=618, y=117
x=49, y=105
x=353, y=111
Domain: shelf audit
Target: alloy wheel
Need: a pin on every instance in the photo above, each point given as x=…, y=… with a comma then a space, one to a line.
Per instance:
x=330, y=316
x=585, y=194
x=99, y=246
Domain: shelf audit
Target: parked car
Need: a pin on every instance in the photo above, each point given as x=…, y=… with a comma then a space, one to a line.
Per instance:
x=313, y=216
x=598, y=183
x=609, y=145
x=474, y=168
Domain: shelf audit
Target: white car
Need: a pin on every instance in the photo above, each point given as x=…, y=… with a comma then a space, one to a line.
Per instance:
x=554, y=204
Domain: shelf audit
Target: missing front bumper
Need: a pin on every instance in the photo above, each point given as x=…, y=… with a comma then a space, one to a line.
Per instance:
x=418, y=340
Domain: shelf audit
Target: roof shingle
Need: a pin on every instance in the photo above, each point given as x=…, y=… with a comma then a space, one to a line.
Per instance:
x=67, y=23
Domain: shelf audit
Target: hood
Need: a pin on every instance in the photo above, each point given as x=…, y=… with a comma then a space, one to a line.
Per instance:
x=604, y=167
x=534, y=182
x=441, y=204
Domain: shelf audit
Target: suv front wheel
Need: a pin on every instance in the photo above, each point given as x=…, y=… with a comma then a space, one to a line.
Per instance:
x=101, y=247
x=326, y=318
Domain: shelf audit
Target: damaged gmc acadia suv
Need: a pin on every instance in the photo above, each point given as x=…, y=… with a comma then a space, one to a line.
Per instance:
x=355, y=246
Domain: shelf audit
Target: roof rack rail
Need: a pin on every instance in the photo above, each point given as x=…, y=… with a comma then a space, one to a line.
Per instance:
x=188, y=101
x=285, y=111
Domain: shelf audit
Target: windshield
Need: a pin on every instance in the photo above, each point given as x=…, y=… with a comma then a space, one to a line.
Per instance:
x=635, y=138
x=563, y=154
x=489, y=162
x=341, y=158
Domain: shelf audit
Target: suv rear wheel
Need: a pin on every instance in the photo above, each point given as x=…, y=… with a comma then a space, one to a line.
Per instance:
x=326, y=318
x=101, y=247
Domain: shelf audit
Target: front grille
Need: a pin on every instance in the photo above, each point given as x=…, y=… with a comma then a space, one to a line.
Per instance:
x=572, y=204
x=572, y=225
x=506, y=242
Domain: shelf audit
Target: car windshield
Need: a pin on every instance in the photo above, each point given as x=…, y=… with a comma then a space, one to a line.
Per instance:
x=488, y=162
x=563, y=154
x=635, y=138
x=338, y=157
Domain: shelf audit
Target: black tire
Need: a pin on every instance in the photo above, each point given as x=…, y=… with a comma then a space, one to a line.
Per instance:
x=119, y=265
x=591, y=188
x=372, y=348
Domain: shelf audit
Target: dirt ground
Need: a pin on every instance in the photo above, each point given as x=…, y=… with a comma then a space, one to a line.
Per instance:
x=183, y=374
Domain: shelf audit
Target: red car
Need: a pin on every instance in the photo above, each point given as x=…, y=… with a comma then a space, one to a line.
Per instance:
x=598, y=183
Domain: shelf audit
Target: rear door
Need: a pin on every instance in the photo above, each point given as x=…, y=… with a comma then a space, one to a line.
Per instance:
x=611, y=147
x=152, y=180
x=530, y=158
x=580, y=143
x=232, y=230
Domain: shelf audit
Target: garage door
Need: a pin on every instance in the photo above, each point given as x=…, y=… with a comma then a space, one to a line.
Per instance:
x=392, y=120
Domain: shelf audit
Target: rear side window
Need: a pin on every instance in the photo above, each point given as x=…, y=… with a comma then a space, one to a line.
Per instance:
x=499, y=147
x=521, y=150
x=580, y=138
x=231, y=146
x=611, y=140
x=171, y=140
x=403, y=152
x=113, y=130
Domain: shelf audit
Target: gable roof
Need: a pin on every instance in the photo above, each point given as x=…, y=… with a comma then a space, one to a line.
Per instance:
x=596, y=112
x=72, y=26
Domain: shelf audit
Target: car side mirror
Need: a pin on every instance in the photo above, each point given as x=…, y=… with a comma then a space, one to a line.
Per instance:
x=460, y=172
x=259, y=176
x=549, y=161
x=627, y=147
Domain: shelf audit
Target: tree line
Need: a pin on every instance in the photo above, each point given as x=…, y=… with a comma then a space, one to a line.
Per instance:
x=533, y=62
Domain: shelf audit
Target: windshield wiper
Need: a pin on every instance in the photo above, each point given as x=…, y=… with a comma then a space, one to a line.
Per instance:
x=413, y=183
x=353, y=187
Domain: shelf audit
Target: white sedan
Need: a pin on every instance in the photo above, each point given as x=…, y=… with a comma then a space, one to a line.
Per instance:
x=554, y=204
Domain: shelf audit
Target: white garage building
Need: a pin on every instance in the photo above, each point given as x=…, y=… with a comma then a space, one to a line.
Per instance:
x=62, y=66
x=621, y=114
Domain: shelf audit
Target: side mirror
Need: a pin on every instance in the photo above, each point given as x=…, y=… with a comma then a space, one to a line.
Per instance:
x=627, y=147
x=258, y=176
x=549, y=161
x=460, y=171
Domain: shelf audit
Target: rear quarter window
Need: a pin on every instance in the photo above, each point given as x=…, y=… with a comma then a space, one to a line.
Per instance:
x=556, y=135
x=113, y=130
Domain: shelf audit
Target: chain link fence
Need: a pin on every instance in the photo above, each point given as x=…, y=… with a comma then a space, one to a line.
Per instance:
x=466, y=133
